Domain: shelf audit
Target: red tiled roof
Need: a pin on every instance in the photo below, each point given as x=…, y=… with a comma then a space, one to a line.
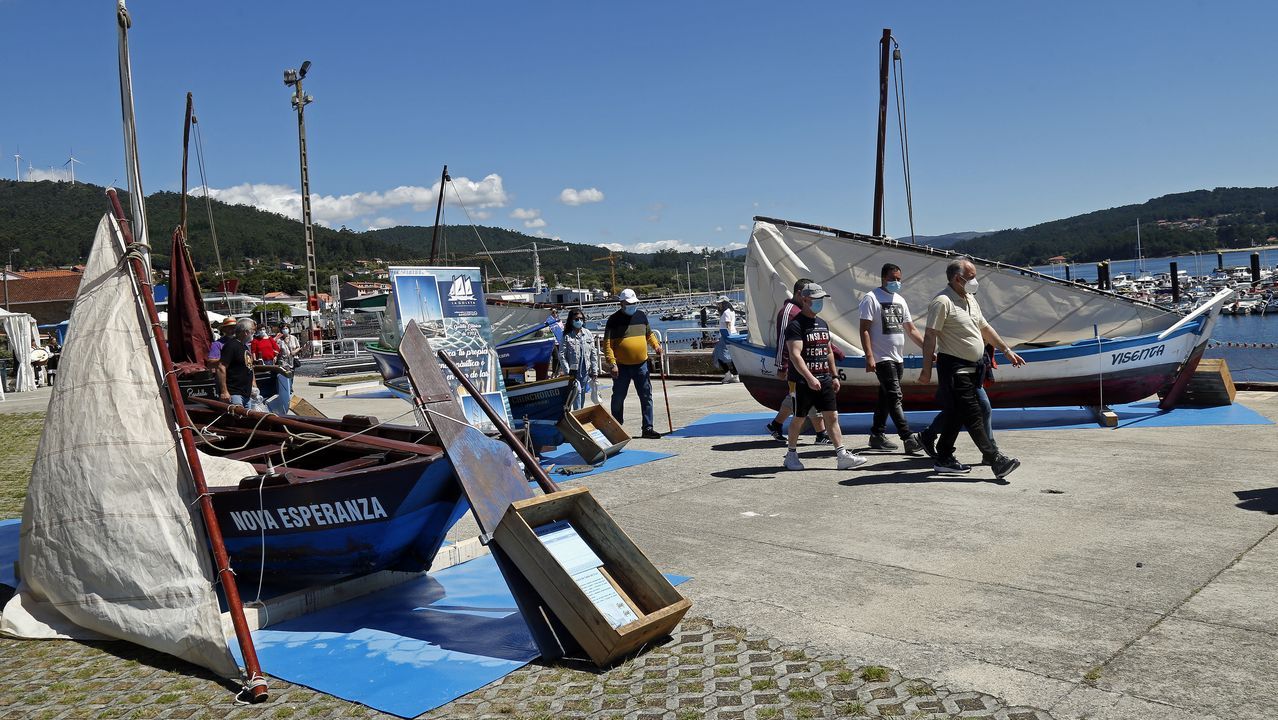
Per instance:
x=44, y=289
x=37, y=274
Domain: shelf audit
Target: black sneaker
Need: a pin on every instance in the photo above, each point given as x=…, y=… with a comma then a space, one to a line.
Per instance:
x=913, y=446
x=1004, y=465
x=775, y=431
x=928, y=441
x=650, y=434
x=881, y=442
x=822, y=439
x=951, y=466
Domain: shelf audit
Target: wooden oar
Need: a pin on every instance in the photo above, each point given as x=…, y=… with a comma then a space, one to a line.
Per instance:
x=665, y=393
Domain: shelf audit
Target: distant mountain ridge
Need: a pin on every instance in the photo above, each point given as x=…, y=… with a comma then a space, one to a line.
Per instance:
x=1200, y=220
x=52, y=223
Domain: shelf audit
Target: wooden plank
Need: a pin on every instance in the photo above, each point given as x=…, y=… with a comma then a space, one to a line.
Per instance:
x=1104, y=416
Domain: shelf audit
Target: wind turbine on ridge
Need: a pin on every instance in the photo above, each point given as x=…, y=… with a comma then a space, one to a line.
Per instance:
x=17, y=167
x=72, y=162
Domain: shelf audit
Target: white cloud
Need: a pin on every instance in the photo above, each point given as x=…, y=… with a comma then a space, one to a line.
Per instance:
x=569, y=196
x=531, y=217
x=332, y=210
x=382, y=223
x=36, y=174
x=544, y=234
x=718, y=228
x=743, y=227
x=659, y=245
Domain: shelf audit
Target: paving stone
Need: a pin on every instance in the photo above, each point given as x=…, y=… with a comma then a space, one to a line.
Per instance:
x=679, y=679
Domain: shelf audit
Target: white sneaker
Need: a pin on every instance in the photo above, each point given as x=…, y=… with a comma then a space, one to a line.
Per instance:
x=847, y=460
x=727, y=378
x=792, y=461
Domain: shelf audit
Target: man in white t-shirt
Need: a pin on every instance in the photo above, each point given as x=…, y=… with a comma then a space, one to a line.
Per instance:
x=885, y=321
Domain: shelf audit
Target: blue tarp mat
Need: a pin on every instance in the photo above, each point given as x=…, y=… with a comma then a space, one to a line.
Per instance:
x=565, y=455
x=408, y=649
x=8, y=550
x=1139, y=414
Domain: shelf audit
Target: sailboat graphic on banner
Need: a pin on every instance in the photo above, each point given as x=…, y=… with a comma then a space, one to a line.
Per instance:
x=461, y=290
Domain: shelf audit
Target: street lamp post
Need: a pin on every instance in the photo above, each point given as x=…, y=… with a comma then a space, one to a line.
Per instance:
x=689, y=279
x=8, y=265
x=293, y=79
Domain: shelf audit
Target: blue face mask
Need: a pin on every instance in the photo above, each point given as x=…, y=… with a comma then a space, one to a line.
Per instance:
x=893, y=286
x=630, y=309
x=817, y=305
x=576, y=324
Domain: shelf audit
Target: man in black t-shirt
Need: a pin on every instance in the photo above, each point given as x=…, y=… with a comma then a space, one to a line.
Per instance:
x=815, y=377
x=235, y=381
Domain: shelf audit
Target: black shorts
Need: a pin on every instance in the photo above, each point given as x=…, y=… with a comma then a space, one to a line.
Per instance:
x=805, y=398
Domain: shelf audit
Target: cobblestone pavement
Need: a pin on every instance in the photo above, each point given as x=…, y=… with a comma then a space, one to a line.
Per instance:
x=703, y=671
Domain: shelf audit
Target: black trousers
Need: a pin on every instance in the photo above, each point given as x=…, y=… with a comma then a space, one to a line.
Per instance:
x=958, y=381
x=890, y=396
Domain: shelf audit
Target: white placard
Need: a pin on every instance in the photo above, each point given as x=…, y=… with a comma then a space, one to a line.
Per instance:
x=583, y=566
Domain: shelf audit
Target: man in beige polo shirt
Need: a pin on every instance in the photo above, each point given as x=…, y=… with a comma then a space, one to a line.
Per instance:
x=957, y=332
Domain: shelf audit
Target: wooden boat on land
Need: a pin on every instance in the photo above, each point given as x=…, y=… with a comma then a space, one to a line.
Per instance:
x=1081, y=346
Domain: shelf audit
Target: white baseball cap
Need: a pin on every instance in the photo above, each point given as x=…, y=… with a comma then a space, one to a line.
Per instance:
x=629, y=297
x=723, y=299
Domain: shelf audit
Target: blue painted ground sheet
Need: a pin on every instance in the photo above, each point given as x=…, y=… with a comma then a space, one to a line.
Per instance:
x=1139, y=415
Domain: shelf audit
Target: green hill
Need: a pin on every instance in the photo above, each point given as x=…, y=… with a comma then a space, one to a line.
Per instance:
x=1169, y=225
x=53, y=223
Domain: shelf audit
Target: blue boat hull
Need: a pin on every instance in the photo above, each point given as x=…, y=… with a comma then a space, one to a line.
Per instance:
x=541, y=403
x=526, y=353
x=391, y=517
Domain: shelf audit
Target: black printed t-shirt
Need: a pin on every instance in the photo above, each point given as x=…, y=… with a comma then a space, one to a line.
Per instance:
x=239, y=368
x=815, y=335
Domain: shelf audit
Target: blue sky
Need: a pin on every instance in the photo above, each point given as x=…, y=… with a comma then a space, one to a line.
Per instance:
x=658, y=124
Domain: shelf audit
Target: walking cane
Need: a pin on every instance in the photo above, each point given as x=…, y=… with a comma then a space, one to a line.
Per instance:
x=662, y=364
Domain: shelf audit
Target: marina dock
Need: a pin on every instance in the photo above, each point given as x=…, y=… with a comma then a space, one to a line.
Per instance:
x=1121, y=573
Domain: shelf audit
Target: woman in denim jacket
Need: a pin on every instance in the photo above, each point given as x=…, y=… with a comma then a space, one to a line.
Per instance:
x=578, y=355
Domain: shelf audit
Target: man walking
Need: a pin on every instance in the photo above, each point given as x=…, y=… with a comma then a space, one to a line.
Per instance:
x=790, y=309
x=235, y=382
x=727, y=327
x=812, y=363
x=957, y=332
x=885, y=321
x=627, y=336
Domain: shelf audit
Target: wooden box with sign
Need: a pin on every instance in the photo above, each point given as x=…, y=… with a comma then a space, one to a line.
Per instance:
x=587, y=571
x=594, y=433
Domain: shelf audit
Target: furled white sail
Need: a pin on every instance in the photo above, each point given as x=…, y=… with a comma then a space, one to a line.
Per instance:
x=1025, y=308
x=110, y=539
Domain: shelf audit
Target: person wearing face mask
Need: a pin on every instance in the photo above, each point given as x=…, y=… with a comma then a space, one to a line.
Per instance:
x=885, y=321
x=627, y=336
x=578, y=357
x=727, y=327
x=812, y=370
x=957, y=333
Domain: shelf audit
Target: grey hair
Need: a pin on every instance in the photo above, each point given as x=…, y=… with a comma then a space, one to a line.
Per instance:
x=245, y=325
x=955, y=268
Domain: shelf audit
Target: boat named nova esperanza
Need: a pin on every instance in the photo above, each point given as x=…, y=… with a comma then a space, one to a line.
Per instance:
x=1082, y=346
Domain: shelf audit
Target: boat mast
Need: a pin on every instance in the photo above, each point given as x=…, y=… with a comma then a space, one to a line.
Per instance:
x=884, y=44
x=1140, y=259
x=186, y=144
x=439, y=210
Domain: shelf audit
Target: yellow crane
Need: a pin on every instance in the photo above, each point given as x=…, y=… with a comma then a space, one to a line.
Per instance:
x=611, y=259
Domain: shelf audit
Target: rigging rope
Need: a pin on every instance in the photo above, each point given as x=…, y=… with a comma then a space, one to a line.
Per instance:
x=208, y=202
x=481, y=240
x=898, y=82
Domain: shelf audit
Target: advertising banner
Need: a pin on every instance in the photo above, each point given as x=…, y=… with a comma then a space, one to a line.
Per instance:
x=448, y=305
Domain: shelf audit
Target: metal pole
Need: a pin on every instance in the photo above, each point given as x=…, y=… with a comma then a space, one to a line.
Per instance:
x=884, y=44
x=300, y=101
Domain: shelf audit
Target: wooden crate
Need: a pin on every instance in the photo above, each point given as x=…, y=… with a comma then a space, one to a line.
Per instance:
x=656, y=604
x=594, y=433
x=1211, y=385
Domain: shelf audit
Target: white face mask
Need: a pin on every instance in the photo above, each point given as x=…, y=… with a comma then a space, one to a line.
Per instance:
x=971, y=286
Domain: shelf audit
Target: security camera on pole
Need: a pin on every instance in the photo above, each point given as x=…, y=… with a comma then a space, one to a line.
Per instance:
x=293, y=79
